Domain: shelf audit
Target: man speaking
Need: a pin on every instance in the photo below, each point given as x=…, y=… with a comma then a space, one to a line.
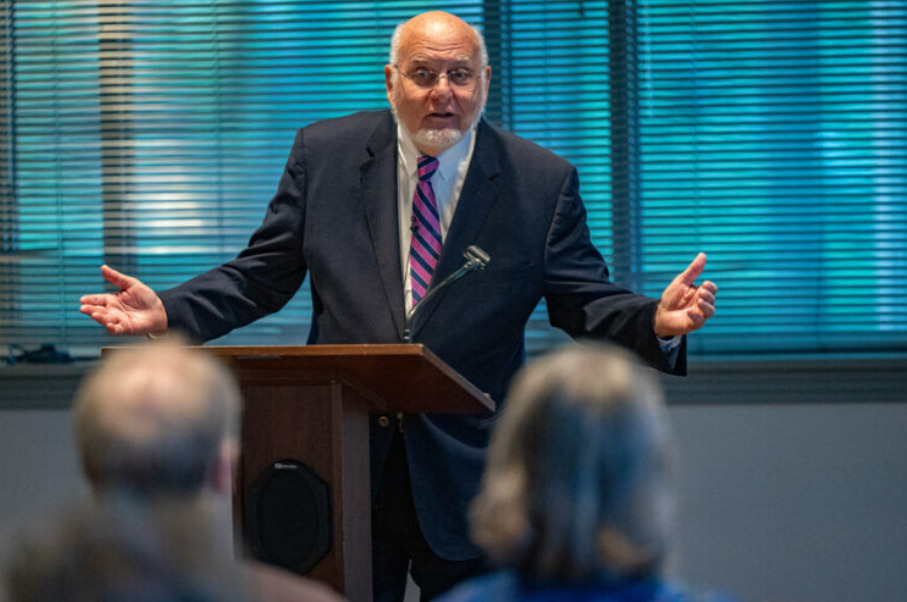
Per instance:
x=380, y=207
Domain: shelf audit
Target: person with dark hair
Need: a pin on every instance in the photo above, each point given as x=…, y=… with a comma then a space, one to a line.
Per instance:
x=159, y=424
x=576, y=502
x=378, y=209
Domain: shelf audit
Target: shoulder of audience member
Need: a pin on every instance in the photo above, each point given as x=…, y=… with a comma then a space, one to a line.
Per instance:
x=507, y=586
x=267, y=583
x=498, y=586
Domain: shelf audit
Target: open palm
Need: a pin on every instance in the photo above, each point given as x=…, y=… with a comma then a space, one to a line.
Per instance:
x=134, y=309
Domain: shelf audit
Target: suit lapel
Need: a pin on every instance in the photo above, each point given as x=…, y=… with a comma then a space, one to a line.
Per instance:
x=378, y=180
x=479, y=194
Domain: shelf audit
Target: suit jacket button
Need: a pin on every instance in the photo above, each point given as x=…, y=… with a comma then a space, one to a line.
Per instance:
x=384, y=421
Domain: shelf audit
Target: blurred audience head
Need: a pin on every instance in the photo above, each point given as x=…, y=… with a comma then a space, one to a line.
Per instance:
x=577, y=482
x=158, y=419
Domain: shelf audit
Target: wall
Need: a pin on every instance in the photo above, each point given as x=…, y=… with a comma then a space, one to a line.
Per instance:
x=805, y=503
x=793, y=478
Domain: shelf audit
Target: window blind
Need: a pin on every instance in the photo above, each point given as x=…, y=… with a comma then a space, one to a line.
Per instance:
x=773, y=136
x=552, y=74
x=151, y=134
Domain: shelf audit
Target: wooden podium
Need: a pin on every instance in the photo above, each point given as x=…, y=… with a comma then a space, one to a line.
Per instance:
x=310, y=405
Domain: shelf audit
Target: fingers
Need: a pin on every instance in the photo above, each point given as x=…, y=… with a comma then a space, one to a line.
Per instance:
x=112, y=322
x=694, y=270
x=117, y=278
x=707, y=291
x=696, y=319
x=108, y=309
x=100, y=300
x=702, y=307
x=100, y=309
x=705, y=298
x=98, y=315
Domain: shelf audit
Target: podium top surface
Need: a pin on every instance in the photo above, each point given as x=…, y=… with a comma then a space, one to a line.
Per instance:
x=394, y=378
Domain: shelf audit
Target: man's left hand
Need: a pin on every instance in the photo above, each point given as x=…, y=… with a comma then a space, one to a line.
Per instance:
x=685, y=306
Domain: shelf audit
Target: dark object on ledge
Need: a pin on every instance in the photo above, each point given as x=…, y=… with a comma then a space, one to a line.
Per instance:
x=46, y=354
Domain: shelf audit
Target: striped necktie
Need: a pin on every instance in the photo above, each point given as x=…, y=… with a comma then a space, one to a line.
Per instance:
x=425, y=245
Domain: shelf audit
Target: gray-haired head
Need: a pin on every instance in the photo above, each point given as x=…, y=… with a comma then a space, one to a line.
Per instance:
x=160, y=418
x=577, y=480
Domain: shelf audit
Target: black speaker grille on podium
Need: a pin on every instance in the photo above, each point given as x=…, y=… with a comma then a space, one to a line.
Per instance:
x=288, y=517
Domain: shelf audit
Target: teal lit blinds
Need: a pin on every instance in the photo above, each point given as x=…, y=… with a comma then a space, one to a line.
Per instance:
x=151, y=134
x=552, y=74
x=773, y=136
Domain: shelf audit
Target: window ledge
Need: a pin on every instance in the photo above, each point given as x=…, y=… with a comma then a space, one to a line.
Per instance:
x=790, y=380
x=710, y=381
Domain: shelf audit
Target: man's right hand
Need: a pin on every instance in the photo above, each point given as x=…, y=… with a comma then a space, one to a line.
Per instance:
x=135, y=309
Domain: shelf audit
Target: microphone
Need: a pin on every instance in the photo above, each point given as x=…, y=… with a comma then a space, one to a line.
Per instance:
x=476, y=259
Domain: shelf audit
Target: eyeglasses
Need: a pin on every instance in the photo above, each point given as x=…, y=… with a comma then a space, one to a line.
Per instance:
x=426, y=78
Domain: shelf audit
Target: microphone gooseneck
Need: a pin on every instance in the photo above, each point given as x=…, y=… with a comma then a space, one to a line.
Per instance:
x=476, y=260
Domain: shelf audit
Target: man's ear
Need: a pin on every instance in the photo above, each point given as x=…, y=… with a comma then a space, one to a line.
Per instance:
x=223, y=473
x=487, y=83
x=388, y=80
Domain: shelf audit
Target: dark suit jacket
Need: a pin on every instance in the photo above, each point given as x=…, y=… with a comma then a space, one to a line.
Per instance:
x=335, y=215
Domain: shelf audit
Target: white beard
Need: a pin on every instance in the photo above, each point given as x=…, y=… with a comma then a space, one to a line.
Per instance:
x=442, y=139
x=438, y=139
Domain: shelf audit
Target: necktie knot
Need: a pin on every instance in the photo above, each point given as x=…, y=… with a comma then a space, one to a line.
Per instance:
x=427, y=167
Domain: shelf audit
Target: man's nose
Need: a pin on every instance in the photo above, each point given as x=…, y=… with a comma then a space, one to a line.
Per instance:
x=442, y=89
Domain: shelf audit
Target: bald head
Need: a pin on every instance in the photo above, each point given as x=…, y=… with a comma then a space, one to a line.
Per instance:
x=156, y=419
x=436, y=25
